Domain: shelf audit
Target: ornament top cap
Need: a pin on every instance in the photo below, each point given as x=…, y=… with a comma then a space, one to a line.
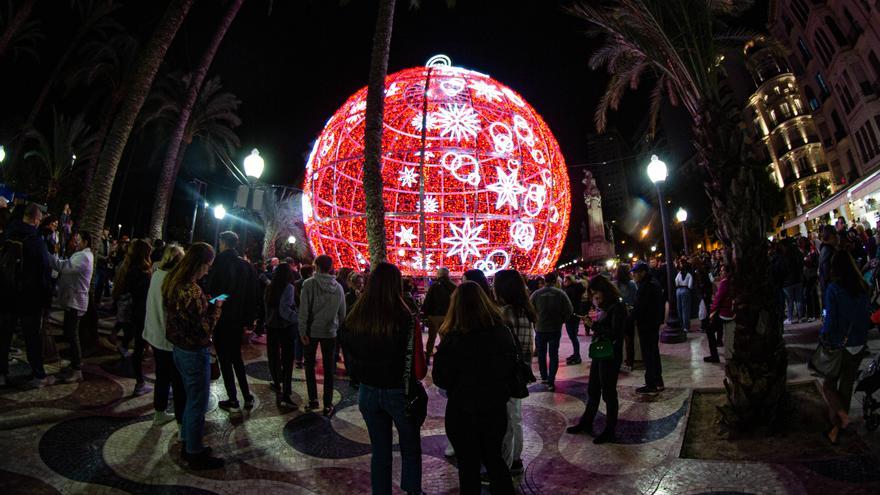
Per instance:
x=439, y=60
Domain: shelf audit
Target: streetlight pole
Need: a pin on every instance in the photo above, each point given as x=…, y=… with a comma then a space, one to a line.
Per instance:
x=219, y=215
x=672, y=333
x=253, y=167
x=682, y=215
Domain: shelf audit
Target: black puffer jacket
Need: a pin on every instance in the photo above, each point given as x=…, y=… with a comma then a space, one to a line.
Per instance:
x=36, y=273
x=476, y=368
x=377, y=361
x=236, y=277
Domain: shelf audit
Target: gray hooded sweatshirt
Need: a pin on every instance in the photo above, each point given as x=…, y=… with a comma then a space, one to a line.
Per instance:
x=322, y=301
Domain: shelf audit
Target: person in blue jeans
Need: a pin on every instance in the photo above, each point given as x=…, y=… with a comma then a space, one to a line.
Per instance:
x=190, y=321
x=379, y=329
x=684, y=283
x=553, y=309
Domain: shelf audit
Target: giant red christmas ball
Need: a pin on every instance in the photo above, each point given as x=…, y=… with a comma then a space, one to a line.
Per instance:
x=495, y=192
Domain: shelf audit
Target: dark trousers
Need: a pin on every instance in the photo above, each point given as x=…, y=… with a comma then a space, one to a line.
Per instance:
x=629, y=341
x=135, y=331
x=71, y=333
x=811, y=297
x=102, y=283
x=328, y=358
x=30, y=329
x=649, y=341
x=279, y=353
x=227, y=342
x=478, y=439
x=571, y=327
x=382, y=408
x=548, y=343
x=715, y=334
x=167, y=375
x=603, y=386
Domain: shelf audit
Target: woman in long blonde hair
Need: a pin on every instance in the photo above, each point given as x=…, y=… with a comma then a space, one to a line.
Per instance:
x=130, y=292
x=189, y=321
x=474, y=363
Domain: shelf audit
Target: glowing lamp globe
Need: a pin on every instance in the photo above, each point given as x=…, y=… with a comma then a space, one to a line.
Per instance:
x=491, y=191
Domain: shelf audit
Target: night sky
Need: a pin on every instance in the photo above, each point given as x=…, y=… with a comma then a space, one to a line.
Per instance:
x=294, y=67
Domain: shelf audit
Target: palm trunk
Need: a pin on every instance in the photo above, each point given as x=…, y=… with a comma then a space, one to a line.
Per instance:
x=375, y=206
x=755, y=376
x=15, y=25
x=92, y=164
x=137, y=87
x=178, y=160
x=168, y=176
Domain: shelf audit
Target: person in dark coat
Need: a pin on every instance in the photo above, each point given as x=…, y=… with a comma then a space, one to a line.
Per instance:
x=25, y=302
x=830, y=240
x=575, y=290
x=131, y=287
x=435, y=306
x=474, y=361
x=648, y=312
x=235, y=277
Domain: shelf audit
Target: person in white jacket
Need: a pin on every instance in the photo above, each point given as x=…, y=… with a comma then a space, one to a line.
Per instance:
x=74, y=279
x=154, y=333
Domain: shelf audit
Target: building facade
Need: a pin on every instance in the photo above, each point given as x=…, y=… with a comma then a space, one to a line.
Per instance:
x=834, y=52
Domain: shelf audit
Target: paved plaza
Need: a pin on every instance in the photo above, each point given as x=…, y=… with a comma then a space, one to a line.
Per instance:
x=94, y=437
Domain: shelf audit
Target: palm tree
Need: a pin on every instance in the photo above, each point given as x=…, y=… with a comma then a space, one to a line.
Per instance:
x=373, y=118
x=18, y=34
x=679, y=45
x=174, y=152
x=70, y=143
x=212, y=120
x=138, y=84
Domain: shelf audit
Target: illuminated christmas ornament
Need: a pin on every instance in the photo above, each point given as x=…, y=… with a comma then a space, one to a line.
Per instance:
x=492, y=193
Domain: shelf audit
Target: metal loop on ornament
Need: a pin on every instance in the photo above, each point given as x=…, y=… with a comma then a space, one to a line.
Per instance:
x=522, y=234
x=502, y=137
x=439, y=60
x=535, y=195
x=458, y=161
x=513, y=165
x=489, y=266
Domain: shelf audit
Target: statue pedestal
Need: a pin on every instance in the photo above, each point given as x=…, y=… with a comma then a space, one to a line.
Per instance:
x=594, y=251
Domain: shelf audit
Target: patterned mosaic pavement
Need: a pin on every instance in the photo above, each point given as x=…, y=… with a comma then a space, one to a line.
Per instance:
x=96, y=438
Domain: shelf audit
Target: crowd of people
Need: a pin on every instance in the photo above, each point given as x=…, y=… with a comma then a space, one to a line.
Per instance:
x=184, y=307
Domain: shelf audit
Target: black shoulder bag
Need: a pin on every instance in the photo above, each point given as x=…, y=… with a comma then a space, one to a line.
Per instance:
x=522, y=374
x=414, y=391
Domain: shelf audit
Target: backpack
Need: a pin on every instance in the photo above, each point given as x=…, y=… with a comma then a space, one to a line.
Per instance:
x=11, y=268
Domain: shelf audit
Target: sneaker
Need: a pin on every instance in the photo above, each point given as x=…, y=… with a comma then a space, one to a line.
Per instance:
x=580, y=427
x=646, y=390
x=712, y=359
x=551, y=387
x=804, y=319
x=605, y=437
x=72, y=376
x=484, y=478
x=140, y=388
x=46, y=381
x=660, y=387
x=626, y=368
x=787, y=321
x=287, y=402
x=161, y=417
x=574, y=361
x=810, y=319
x=249, y=402
x=230, y=406
x=329, y=411
x=517, y=468
x=313, y=405
x=204, y=461
x=449, y=452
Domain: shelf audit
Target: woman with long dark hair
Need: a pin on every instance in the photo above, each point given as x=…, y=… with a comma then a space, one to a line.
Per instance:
x=607, y=320
x=474, y=362
x=519, y=314
x=378, y=333
x=281, y=325
x=190, y=321
x=479, y=277
x=845, y=327
x=130, y=287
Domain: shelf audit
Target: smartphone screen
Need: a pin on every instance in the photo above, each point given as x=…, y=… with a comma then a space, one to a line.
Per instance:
x=221, y=297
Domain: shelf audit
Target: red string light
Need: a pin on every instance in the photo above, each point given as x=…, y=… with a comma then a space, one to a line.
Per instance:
x=496, y=191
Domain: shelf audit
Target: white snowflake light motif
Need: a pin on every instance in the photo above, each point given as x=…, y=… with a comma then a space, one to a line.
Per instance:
x=486, y=91
x=406, y=235
x=408, y=177
x=418, y=264
x=507, y=188
x=457, y=122
x=431, y=204
x=431, y=121
x=464, y=240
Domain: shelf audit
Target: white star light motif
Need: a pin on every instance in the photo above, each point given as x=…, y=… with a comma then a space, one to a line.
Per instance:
x=457, y=122
x=431, y=121
x=507, y=188
x=486, y=91
x=431, y=204
x=406, y=235
x=408, y=177
x=417, y=263
x=464, y=240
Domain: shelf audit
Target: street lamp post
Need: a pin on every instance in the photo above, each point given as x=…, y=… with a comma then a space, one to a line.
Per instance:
x=219, y=215
x=253, y=168
x=672, y=333
x=682, y=215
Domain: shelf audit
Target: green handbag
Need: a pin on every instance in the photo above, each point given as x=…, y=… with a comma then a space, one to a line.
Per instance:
x=601, y=349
